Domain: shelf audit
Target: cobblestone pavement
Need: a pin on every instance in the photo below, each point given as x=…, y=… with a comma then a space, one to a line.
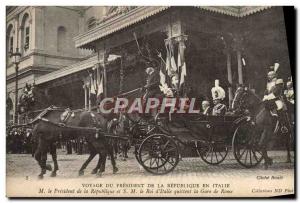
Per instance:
x=225, y=180
x=24, y=166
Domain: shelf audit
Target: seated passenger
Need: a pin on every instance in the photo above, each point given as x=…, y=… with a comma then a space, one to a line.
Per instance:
x=206, y=108
x=218, y=95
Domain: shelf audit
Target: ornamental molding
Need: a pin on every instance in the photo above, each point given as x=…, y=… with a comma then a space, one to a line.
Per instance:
x=138, y=14
x=117, y=23
x=235, y=11
x=11, y=15
x=248, y=10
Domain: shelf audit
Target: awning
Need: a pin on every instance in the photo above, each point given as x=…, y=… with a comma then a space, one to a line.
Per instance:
x=79, y=66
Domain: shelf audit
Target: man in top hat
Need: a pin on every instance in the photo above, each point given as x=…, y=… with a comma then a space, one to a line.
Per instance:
x=152, y=83
x=218, y=95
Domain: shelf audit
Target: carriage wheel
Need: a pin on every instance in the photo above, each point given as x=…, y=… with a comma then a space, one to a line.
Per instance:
x=158, y=154
x=245, y=145
x=213, y=153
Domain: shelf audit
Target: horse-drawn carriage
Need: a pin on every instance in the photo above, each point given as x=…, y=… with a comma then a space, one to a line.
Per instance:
x=160, y=142
x=210, y=137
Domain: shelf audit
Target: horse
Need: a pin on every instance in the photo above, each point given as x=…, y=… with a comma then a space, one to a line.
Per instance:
x=47, y=130
x=246, y=101
x=40, y=100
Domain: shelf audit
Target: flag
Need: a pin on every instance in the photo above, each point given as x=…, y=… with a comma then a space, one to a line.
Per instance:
x=162, y=77
x=93, y=89
x=179, y=63
x=173, y=63
x=181, y=59
x=100, y=87
x=183, y=74
x=168, y=62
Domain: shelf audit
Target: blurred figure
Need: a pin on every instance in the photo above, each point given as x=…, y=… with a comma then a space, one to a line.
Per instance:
x=206, y=108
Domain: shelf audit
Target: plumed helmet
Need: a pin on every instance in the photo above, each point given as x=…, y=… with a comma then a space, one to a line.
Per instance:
x=276, y=66
x=271, y=74
x=217, y=91
x=217, y=83
x=279, y=81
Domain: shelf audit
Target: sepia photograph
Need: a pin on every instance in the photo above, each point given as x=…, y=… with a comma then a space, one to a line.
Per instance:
x=150, y=101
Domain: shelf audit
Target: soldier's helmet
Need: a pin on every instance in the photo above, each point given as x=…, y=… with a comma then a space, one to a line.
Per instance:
x=271, y=75
x=279, y=81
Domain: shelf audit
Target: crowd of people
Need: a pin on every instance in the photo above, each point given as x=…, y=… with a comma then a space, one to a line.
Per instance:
x=19, y=140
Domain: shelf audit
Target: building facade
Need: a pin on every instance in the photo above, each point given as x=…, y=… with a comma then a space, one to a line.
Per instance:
x=44, y=38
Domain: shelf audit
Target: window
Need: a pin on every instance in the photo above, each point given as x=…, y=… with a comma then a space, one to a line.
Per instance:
x=26, y=45
x=25, y=33
x=61, y=39
x=11, y=44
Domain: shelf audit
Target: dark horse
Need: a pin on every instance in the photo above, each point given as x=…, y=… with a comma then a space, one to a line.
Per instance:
x=246, y=101
x=48, y=128
x=55, y=132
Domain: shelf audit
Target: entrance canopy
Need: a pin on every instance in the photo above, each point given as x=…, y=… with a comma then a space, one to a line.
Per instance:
x=133, y=16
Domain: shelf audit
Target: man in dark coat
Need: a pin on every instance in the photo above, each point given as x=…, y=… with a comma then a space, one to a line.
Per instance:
x=152, y=84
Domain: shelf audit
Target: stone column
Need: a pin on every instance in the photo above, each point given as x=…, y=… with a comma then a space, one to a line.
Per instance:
x=89, y=101
x=238, y=48
x=85, y=97
x=229, y=76
x=240, y=67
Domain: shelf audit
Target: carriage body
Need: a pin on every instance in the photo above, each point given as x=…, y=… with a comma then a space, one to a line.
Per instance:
x=192, y=135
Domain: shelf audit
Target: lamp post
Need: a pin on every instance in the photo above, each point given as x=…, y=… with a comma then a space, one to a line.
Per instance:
x=16, y=60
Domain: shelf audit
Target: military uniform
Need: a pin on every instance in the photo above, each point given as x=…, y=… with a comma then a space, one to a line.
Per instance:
x=273, y=97
x=289, y=95
x=219, y=109
x=289, y=92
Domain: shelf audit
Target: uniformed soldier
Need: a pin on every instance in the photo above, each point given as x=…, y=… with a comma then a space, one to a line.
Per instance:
x=218, y=95
x=274, y=100
x=273, y=92
x=289, y=95
x=289, y=92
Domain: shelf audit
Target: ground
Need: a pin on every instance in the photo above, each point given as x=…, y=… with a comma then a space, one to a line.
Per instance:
x=22, y=167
